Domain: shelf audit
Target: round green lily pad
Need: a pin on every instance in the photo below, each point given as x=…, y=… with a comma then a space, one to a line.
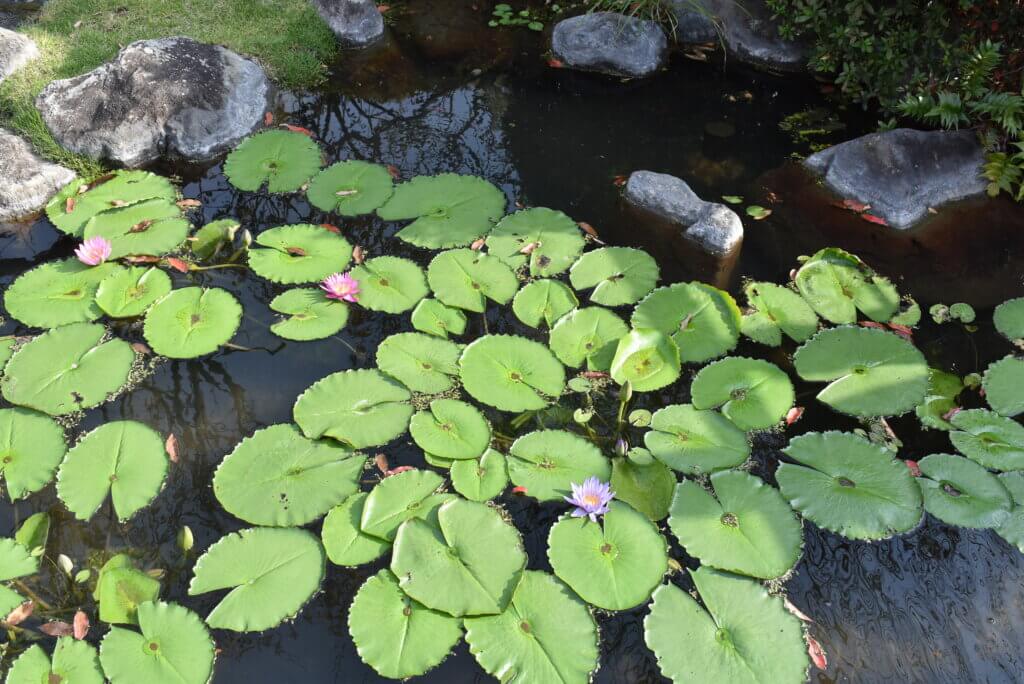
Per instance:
x=57, y=293
x=619, y=275
x=960, y=492
x=121, y=588
x=390, y=284
x=1012, y=530
x=1002, y=384
x=128, y=292
x=1009, y=318
x=350, y=188
x=113, y=190
x=741, y=635
x=31, y=447
x=401, y=497
x=466, y=279
x=614, y=564
x=271, y=572
x=589, y=335
x=694, y=441
x=468, y=564
x=449, y=210
x=300, y=253
x=360, y=408
x=777, y=310
x=310, y=314
x=545, y=635
x=746, y=527
x=153, y=227
x=753, y=394
x=646, y=487
x=279, y=478
x=282, y=160
x=989, y=439
x=344, y=541
x=547, y=462
x=553, y=241
x=837, y=284
x=691, y=316
x=451, y=429
x=511, y=373
x=67, y=369
x=191, y=322
x=848, y=485
x=543, y=301
x=420, y=362
x=647, y=359
x=74, y=661
x=481, y=479
x=434, y=318
x=174, y=647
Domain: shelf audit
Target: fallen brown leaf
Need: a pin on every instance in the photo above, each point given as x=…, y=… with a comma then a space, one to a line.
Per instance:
x=171, y=446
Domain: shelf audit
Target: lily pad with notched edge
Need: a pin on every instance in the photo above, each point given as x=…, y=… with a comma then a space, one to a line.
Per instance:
x=74, y=662
x=344, y=541
x=1002, y=384
x=693, y=319
x=777, y=310
x=281, y=160
x=753, y=394
x=1012, y=530
x=272, y=572
x=154, y=228
x=209, y=240
x=467, y=280
x=117, y=189
x=647, y=488
x=547, y=462
x=15, y=561
x=300, y=253
x=420, y=362
x=481, y=479
x=1009, y=319
x=361, y=408
x=191, y=322
x=647, y=359
x=960, y=492
x=695, y=442
x=989, y=439
x=511, y=373
x=390, y=284
x=543, y=301
x=555, y=238
x=310, y=315
x=401, y=497
x=121, y=588
x=57, y=293
x=837, y=284
x=619, y=275
x=589, y=335
x=848, y=485
x=451, y=429
x=174, y=647
x=434, y=318
x=128, y=292
x=350, y=188
x=31, y=447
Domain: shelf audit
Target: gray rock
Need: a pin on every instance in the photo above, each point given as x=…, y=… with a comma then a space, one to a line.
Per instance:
x=16, y=51
x=26, y=182
x=714, y=228
x=356, y=23
x=693, y=26
x=610, y=43
x=903, y=172
x=747, y=29
x=172, y=98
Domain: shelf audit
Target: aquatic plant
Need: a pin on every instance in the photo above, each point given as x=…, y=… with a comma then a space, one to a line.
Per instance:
x=93, y=251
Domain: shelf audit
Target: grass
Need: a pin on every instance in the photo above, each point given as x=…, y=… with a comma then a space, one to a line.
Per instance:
x=75, y=36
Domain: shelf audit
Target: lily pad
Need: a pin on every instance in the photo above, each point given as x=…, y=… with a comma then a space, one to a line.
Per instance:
x=837, y=284
x=449, y=210
x=615, y=564
x=209, y=240
x=552, y=239
x=310, y=315
x=1002, y=384
x=753, y=394
x=67, y=369
x=434, y=318
x=174, y=647
x=746, y=527
x=545, y=635
x=191, y=322
x=777, y=310
x=301, y=253
x=1009, y=318
x=154, y=227
x=390, y=284
x=272, y=572
x=74, y=661
x=282, y=160
x=57, y=293
x=742, y=634
x=1013, y=529
x=647, y=488
x=989, y=439
x=543, y=301
x=468, y=564
x=119, y=189
x=589, y=335
x=511, y=373
x=360, y=408
x=397, y=498
x=619, y=275
x=451, y=429
x=128, y=292
x=466, y=279
x=15, y=561
x=395, y=635
x=34, y=531
x=121, y=588
x=691, y=316
x=695, y=442
x=647, y=359
x=31, y=447
x=546, y=462
x=481, y=479
x=848, y=485
x=420, y=362
x=279, y=478
x=350, y=188
x=344, y=541
x=960, y=492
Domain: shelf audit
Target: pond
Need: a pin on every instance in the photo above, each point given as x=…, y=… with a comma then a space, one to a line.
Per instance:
x=939, y=604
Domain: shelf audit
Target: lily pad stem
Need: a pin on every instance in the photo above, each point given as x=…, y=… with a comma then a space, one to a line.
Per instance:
x=32, y=595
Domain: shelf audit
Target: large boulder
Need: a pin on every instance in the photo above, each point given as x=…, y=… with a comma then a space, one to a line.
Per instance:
x=902, y=173
x=170, y=98
x=16, y=50
x=356, y=23
x=26, y=182
x=747, y=29
x=610, y=43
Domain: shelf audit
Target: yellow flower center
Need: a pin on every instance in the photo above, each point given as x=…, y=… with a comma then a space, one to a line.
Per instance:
x=592, y=500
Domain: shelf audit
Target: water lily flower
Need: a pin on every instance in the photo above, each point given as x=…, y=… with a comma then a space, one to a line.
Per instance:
x=94, y=251
x=341, y=286
x=591, y=498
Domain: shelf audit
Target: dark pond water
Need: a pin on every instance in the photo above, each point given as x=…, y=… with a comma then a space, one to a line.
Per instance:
x=939, y=605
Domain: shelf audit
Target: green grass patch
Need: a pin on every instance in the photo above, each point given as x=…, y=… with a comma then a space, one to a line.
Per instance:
x=75, y=36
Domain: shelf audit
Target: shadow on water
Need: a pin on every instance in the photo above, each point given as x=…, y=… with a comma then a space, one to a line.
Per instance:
x=941, y=604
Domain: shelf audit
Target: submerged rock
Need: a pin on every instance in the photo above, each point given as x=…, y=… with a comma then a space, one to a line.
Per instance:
x=902, y=173
x=26, y=182
x=356, y=23
x=172, y=97
x=16, y=50
x=610, y=43
x=747, y=29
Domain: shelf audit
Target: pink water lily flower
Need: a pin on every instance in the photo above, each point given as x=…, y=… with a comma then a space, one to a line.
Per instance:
x=94, y=251
x=591, y=498
x=341, y=286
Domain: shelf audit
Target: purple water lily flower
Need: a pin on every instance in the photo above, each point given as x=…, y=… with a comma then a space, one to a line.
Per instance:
x=341, y=286
x=591, y=498
x=94, y=251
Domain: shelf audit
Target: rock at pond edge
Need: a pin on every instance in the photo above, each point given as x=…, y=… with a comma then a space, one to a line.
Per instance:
x=610, y=43
x=356, y=23
x=26, y=182
x=16, y=50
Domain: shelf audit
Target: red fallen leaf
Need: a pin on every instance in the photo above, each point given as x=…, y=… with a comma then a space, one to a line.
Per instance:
x=399, y=469
x=357, y=254
x=871, y=218
x=795, y=611
x=816, y=652
x=383, y=8
x=189, y=204
x=556, y=63
x=519, y=491
x=141, y=348
x=914, y=469
x=96, y=183
x=177, y=264
x=381, y=461
x=948, y=415
x=57, y=629
x=81, y=625
x=331, y=227
x=20, y=614
x=141, y=259
x=619, y=181
x=171, y=446
x=141, y=226
x=871, y=324
x=268, y=118
x=594, y=375
x=69, y=205
x=478, y=244
x=852, y=205
x=295, y=251
x=529, y=248
x=297, y=129
x=794, y=414
x=902, y=330
x=393, y=170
